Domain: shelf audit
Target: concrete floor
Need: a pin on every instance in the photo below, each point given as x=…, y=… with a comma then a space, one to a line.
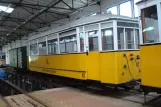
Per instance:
x=69, y=97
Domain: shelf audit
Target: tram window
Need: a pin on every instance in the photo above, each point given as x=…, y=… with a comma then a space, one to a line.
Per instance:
x=62, y=47
x=137, y=39
x=107, y=39
x=150, y=25
x=81, y=36
x=129, y=38
x=68, y=44
x=33, y=49
x=53, y=46
x=120, y=38
x=93, y=40
x=42, y=48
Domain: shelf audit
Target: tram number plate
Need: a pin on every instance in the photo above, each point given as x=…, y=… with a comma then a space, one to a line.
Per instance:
x=48, y=70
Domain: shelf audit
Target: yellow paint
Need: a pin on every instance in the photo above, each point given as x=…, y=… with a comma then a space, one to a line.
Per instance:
x=61, y=61
x=93, y=66
x=64, y=73
x=106, y=67
x=112, y=67
x=66, y=62
x=151, y=65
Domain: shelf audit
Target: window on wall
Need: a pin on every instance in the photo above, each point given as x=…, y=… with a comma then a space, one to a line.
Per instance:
x=125, y=9
x=150, y=24
x=53, y=46
x=129, y=37
x=68, y=44
x=42, y=48
x=33, y=49
x=120, y=38
x=107, y=39
x=112, y=10
x=137, y=38
x=82, y=38
x=93, y=40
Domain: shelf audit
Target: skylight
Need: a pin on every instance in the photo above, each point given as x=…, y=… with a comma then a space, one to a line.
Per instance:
x=6, y=9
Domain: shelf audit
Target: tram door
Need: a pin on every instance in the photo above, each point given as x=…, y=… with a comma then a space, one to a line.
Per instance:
x=92, y=52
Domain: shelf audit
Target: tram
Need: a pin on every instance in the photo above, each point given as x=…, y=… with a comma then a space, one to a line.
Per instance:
x=102, y=48
x=150, y=49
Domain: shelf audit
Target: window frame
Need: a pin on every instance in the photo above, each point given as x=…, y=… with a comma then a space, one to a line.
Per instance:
x=112, y=38
x=143, y=34
x=52, y=45
x=66, y=43
x=49, y=38
x=125, y=41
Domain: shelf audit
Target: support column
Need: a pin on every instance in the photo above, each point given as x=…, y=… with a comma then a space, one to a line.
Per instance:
x=115, y=40
x=47, y=45
x=78, y=39
x=58, y=43
x=159, y=21
x=99, y=37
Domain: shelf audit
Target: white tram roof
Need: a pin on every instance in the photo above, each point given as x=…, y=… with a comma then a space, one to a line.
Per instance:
x=82, y=21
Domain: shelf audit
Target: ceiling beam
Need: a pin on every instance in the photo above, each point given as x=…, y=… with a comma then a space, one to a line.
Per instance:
x=21, y=20
x=35, y=15
x=34, y=5
x=48, y=11
x=10, y=14
x=68, y=6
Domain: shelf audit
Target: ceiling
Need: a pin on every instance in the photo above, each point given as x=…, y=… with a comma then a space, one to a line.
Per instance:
x=29, y=15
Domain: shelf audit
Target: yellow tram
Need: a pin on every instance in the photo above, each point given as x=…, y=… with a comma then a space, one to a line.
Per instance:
x=102, y=48
x=150, y=49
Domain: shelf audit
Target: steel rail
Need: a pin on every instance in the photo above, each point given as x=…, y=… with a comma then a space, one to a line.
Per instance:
x=25, y=93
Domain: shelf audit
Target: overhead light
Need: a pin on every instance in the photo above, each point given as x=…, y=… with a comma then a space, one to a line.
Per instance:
x=6, y=9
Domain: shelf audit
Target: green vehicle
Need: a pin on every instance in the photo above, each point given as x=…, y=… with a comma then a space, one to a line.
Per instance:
x=18, y=58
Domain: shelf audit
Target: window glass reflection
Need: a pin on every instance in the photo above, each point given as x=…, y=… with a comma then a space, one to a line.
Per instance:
x=53, y=46
x=93, y=40
x=107, y=39
x=150, y=25
x=68, y=44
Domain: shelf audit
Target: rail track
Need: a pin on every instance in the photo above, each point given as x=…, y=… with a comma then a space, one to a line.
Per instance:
x=38, y=103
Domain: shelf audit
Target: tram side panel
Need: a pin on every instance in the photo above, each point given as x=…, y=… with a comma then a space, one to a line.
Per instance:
x=80, y=66
x=151, y=66
x=128, y=66
x=114, y=67
x=93, y=66
x=66, y=65
x=106, y=67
